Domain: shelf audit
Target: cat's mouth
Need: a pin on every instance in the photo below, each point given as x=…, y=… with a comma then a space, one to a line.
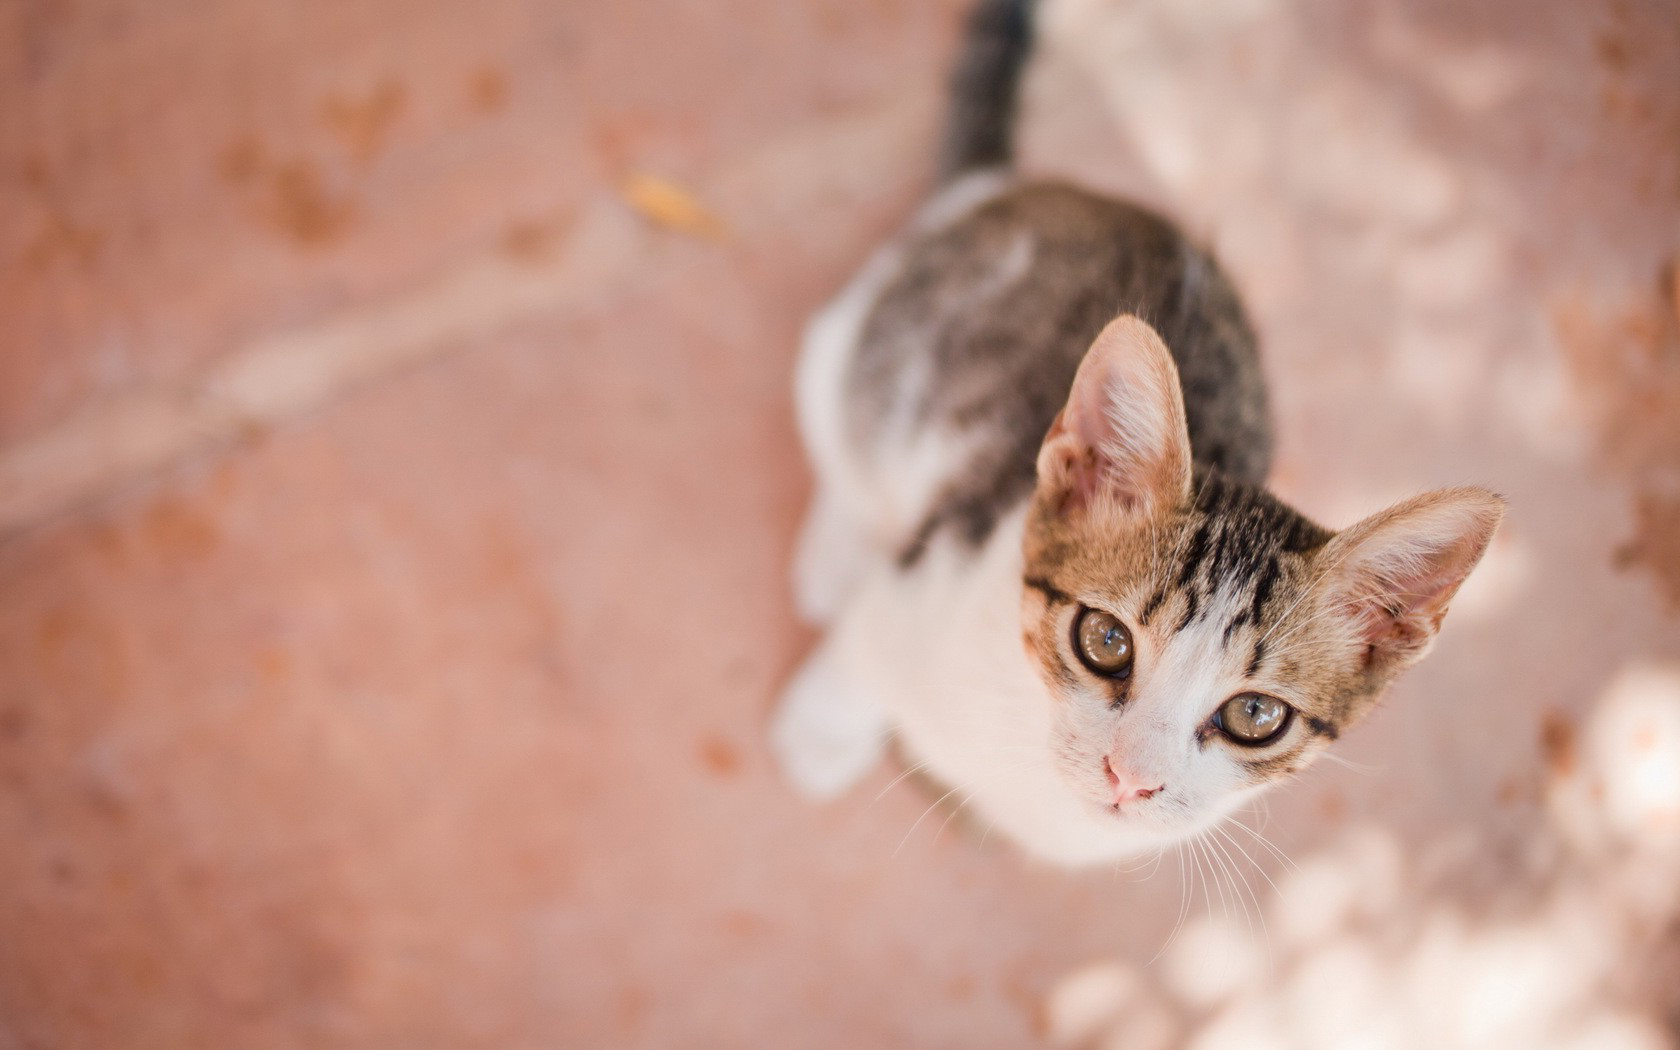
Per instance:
x=1117, y=799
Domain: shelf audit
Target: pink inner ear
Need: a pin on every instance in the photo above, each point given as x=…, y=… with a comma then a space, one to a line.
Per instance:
x=1399, y=614
x=1120, y=440
x=1071, y=460
x=1401, y=568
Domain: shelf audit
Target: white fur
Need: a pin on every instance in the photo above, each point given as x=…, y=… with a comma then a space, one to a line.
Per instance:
x=1184, y=677
x=942, y=649
x=869, y=498
x=835, y=546
x=935, y=654
x=828, y=732
x=960, y=198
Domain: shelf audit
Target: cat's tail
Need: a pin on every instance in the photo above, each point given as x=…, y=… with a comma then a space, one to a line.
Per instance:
x=985, y=87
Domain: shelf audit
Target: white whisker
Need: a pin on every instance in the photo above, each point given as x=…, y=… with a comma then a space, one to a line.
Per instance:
x=1259, y=908
x=1200, y=843
x=1214, y=858
x=951, y=815
x=1239, y=881
x=918, y=767
x=1154, y=862
x=1347, y=763
x=931, y=807
x=1264, y=841
x=1183, y=905
x=1238, y=846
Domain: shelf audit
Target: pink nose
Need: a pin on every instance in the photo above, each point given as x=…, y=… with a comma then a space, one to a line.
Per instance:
x=1125, y=787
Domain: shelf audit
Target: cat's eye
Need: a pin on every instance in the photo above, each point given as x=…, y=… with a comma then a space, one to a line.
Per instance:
x=1252, y=719
x=1103, y=643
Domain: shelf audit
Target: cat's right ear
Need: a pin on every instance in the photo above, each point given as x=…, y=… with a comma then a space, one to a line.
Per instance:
x=1120, y=444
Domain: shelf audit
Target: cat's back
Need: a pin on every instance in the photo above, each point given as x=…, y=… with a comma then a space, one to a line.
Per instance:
x=965, y=336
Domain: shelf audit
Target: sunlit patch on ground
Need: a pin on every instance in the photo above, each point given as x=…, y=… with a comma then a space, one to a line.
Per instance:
x=1361, y=944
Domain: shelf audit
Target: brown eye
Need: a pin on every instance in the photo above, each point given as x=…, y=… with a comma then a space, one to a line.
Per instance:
x=1104, y=644
x=1251, y=719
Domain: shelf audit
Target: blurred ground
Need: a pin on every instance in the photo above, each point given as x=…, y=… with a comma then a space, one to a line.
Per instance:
x=397, y=478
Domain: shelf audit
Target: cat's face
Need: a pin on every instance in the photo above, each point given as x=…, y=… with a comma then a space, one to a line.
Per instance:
x=1200, y=639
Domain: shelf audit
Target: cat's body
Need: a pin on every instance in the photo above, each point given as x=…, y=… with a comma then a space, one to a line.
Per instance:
x=979, y=506
x=976, y=337
x=924, y=394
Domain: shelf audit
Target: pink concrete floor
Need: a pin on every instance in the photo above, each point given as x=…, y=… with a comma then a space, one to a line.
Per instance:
x=395, y=510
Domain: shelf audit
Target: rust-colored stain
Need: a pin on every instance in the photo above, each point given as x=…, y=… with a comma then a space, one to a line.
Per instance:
x=242, y=160
x=1510, y=791
x=15, y=722
x=1655, y=544
x=621, y=138
x=487, y=91
x=851, y=16
x=81, y=652
x=527, y=241
x=534, y=240
x=960, y=988
x=55, y=630
x=107, y=797
x=252, y=432
x=289, y=195
x=363, y=124
x=1627, y=103
x=177, y=530
x=1332, y=807
x=34, y=173
x=108, y=541
x=1558, y=744
x=1030, y=1002
x=744, y=924
x=303, y=209
x=633, y=1004
x=61, y=237
x=143, y=969
x=719, y=757
x=1625, y=363
x=274, y=665
x=1612, y=50
x=503, y=571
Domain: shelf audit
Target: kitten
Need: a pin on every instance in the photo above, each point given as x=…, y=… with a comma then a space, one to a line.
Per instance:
x=1040, y=542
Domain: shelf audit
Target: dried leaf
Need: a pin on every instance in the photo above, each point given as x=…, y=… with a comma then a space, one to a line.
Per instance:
x=666, y=204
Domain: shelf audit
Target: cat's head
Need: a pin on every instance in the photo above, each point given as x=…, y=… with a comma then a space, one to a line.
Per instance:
x=1200, y=639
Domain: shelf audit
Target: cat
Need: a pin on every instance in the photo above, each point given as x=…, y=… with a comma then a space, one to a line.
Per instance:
x=1040, y=545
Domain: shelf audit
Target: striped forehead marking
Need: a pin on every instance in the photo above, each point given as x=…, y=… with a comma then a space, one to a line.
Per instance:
x=1232, y=558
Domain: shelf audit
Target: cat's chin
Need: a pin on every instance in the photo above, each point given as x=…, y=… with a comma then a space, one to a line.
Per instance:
x=1151, y=822
x=1142, y=819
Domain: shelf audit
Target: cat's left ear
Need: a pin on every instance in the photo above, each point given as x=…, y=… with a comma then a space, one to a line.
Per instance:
x=1120, y=443
x=1393, y=574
